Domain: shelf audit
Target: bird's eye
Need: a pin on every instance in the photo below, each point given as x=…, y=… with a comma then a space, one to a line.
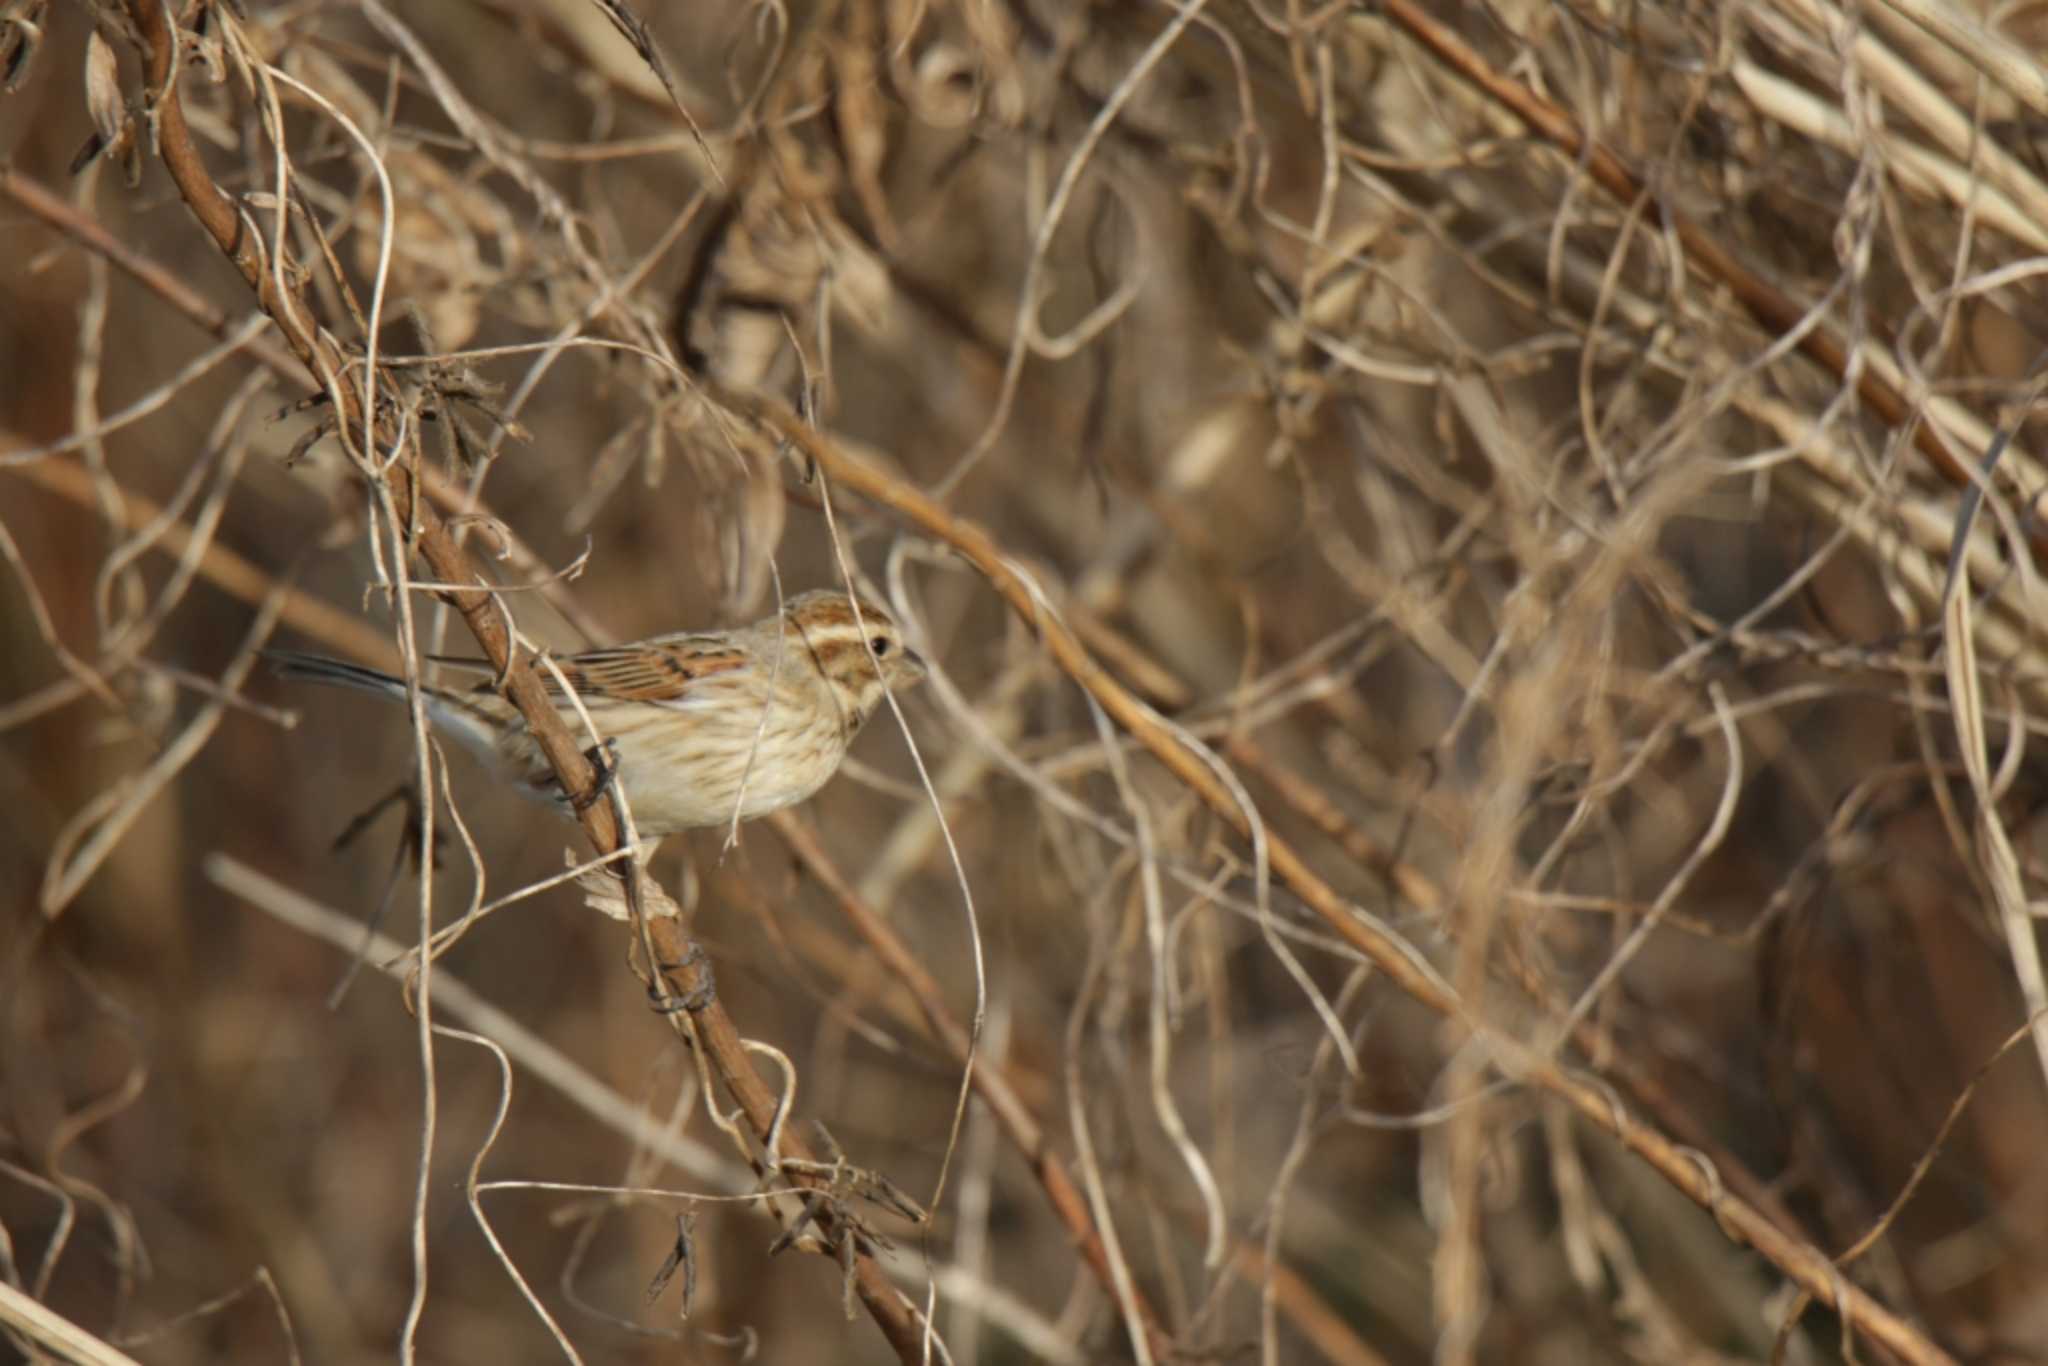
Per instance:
x=880, y=645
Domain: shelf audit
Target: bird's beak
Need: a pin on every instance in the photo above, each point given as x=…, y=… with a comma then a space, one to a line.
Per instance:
x=913, y=665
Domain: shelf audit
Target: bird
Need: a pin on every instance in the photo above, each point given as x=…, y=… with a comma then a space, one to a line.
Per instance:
x=701, y=728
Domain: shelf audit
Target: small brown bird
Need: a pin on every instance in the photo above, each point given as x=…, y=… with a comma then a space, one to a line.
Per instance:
x=685, y=712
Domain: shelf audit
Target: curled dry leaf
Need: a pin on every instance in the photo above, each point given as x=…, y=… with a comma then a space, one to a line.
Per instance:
x=113, y=127
x=606, y=894
x=103, y=98
x=21, y=32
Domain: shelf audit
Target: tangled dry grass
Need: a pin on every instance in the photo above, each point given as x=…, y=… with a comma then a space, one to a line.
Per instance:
x=1477, y=801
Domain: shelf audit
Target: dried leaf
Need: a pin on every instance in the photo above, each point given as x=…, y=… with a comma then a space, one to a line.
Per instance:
x=113, y=125
x=633, y=31
x=103, y=97
x=21, y=32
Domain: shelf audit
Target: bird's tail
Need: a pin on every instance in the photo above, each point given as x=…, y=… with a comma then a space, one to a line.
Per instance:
x=456, y=715
x=299, y=668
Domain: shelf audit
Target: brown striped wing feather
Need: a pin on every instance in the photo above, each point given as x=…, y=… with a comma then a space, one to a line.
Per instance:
x=646, y=672
x=658, y=672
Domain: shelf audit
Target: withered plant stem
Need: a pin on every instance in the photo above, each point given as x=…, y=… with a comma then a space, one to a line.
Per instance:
x=324, y=359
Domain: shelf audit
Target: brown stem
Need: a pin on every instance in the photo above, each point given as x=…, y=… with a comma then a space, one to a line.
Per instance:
x=1595, y=1103
x=1019, y=1125
x=1772, y=309
x=449, y=496
x=323, y=357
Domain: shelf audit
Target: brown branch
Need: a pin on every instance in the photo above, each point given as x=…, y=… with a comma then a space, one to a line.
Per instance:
x=226, y=570
x=91, y=234
x=1768, y=305
x=349, y=635
x=1337, y=1339
x=1414, y=886
x=196, y=308
x=1019, y=1125
x=677, y=971
x=1802, y=1262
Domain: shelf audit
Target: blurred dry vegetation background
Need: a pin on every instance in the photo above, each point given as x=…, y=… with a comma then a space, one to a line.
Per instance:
x=1522, y=446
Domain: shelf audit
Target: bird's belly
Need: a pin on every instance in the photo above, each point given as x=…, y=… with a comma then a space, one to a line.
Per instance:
x=679, y=784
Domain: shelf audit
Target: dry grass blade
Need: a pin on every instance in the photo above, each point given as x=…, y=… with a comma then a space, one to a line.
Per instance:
x=1989, y=51
x=1999, y=861
x=30, y=1322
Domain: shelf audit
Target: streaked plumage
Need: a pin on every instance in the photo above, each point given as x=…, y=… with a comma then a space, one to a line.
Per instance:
x=686, y=710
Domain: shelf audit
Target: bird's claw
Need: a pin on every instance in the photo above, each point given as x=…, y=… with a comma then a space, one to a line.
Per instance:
x=604, y=759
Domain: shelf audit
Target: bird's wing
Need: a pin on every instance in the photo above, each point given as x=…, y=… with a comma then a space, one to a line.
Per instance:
x=663, y=672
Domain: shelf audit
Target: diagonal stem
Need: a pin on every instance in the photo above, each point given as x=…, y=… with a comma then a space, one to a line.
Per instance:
x=325, y=360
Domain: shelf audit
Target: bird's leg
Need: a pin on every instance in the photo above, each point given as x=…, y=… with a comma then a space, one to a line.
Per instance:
x=605, y=759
